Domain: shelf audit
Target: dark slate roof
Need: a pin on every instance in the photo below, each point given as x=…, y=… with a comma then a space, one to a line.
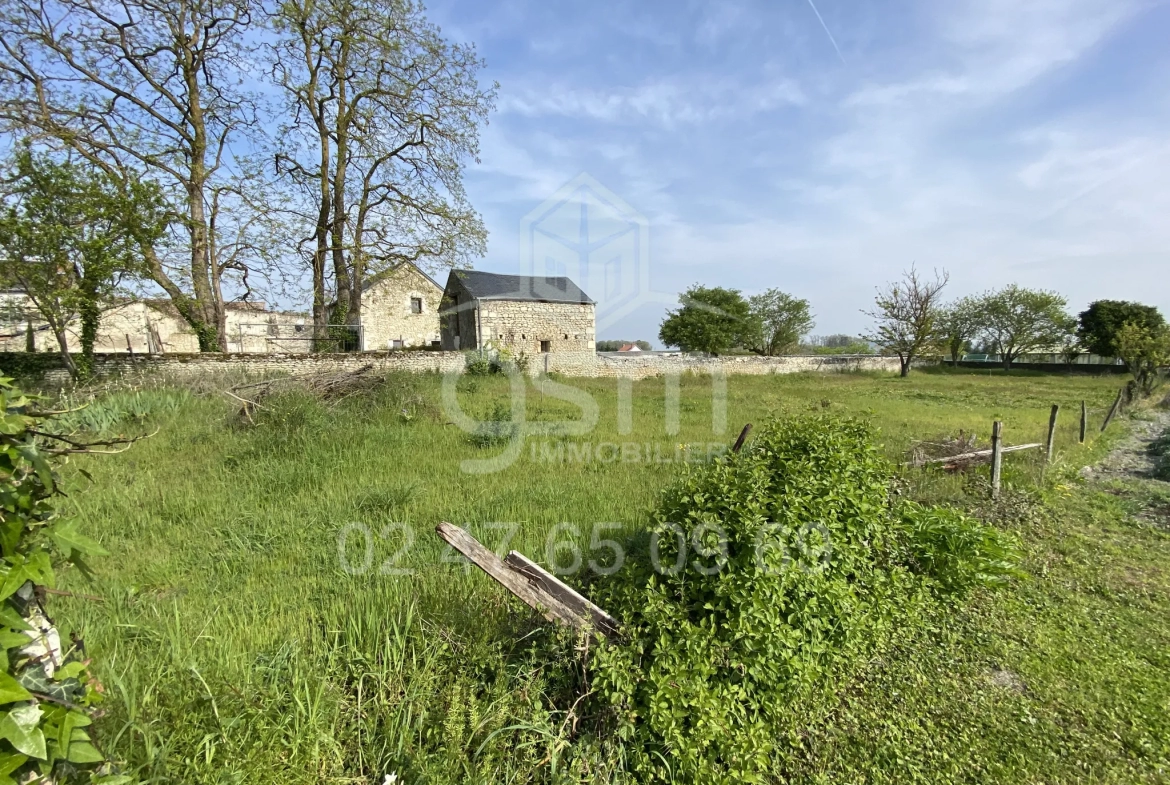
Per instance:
x=531, y=288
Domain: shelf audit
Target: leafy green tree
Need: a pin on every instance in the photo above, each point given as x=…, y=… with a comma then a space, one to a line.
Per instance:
x=712, y=320
x=67, y=235
x=383, y=115
x=959, y=325
x=1018, y=321
x=1099, y=325
x=148, y=91
x=783, y=320
x=908, y=317
x=1145, y=350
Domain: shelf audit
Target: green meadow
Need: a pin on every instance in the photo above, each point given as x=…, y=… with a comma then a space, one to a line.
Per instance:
x=277, y=608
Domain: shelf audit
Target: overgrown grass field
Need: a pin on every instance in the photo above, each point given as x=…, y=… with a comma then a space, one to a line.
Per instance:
x=278, y=609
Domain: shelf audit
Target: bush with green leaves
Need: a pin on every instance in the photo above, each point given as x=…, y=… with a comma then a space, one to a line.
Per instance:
x=769, y=578
x=46, y=691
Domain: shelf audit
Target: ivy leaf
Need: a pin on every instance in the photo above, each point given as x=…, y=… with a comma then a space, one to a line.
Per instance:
x=39, y=464
x=114, y=779
x=84, y=752
x=9, y=616
x=11, y=691
x=72, y=541
x=21, y=727
x=40, y=568
x=10, y=762
x=74, y=720
x=10, y=639
x=70, y=670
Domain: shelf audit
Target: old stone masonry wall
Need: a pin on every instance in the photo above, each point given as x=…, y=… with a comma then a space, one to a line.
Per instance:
x=581, y=364
x=527, y=326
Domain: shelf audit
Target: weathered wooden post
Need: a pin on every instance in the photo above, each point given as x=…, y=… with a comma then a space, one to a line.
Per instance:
x=742, y=438
x=1051, y=443
x=1084, y=421
x=1113, y=410
x=996, y=457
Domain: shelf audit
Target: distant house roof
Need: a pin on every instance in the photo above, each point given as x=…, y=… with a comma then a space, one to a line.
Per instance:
x=630, y=347
x=530, y=288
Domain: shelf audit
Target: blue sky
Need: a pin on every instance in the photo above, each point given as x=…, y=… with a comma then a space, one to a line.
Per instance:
x=1007, y=141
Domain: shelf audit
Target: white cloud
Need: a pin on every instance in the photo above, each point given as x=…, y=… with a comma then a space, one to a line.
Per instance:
x=664, y=102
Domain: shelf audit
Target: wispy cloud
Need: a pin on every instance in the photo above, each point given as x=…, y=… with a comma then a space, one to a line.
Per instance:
x=664, y=102
x=1006, y=141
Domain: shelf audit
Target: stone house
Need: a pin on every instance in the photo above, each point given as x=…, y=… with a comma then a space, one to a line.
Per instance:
x=400, y=309
x=530, y=314
x=152, y=326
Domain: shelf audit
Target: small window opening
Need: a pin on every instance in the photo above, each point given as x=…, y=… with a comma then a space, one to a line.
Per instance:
x=546, y=346
x=416, y=305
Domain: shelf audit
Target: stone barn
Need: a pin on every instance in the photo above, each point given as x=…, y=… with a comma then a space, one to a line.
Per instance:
x=530, y=314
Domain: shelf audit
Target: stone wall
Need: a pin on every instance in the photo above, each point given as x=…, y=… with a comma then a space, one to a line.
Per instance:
x=581, y=364
x=640, y=366
x=386, y=313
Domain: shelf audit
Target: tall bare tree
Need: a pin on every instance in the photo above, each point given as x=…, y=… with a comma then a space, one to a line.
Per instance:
x=385, y=115
x=908, y=316
x=143, y=89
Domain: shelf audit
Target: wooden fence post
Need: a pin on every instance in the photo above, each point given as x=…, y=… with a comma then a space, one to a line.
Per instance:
x=1051, y=444
x=742, y=438
x=996, y=457
x=1112, y=410
x=1084, y=421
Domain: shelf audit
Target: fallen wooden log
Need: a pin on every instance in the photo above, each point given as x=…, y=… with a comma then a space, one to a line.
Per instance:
x=536, y=587
x=566, y=595
x=972, y=457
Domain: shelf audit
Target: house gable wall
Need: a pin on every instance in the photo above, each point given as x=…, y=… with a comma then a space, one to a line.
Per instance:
x=386, y=314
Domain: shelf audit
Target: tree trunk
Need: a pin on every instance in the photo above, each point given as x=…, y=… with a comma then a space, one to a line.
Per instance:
x=63, y=345
x=1007, y=361
x=905, y=364
x=90, y=314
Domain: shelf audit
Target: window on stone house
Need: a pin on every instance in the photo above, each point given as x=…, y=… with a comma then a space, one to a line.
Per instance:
x=416, y=305
x=546, y=346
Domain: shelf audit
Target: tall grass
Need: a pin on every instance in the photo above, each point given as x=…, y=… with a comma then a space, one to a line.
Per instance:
x=238, y=645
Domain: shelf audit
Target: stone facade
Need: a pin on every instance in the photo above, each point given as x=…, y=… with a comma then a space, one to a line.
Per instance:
x=389, y=320
x=535, y=328
x=151, y=327
x=520, y=314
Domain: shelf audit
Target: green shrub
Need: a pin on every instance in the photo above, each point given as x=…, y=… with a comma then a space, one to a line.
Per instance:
x=957, y=552
x=768, y=578
x=476, y=364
